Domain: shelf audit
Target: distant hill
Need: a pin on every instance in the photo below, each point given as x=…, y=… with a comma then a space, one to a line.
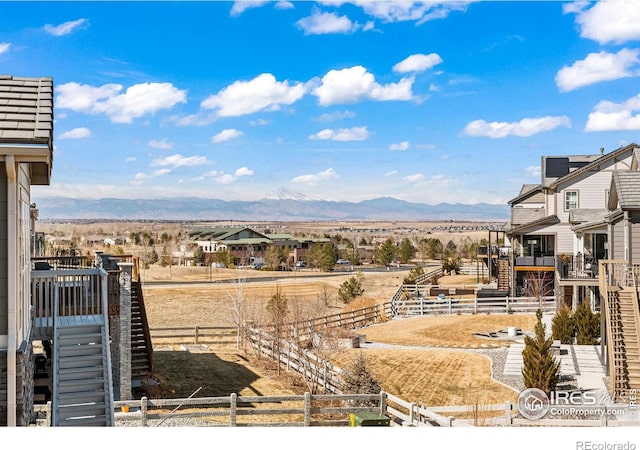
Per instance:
x=281, y=209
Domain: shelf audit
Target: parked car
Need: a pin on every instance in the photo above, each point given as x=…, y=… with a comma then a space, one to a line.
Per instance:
x=301, y=264
x=343, y=261
x=257, y=265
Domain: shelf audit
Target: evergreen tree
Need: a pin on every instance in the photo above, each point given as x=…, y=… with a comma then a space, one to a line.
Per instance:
x=351, y=288
x=386, y=253
x=358, y=378
x=413, y=275
x=562, y=326
x=587, y=325
x=406, y=251
x=541, y=370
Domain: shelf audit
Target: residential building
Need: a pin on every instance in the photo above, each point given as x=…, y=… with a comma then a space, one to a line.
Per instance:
x=558, y=229
x=62, y=320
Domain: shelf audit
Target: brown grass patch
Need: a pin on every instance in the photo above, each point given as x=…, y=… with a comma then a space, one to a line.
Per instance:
x=448, y=331
x=433, y=377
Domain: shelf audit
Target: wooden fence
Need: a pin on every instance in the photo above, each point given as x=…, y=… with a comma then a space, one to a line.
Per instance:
x=196, y=334
x=421, y=306
x=326, y=410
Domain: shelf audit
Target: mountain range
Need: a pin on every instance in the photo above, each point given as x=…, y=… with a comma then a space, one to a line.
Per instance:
x=267, y=209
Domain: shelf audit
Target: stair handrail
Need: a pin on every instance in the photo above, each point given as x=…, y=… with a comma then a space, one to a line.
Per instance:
x=135, y=278
x=636, y=306
x=55, y=370
x=110, y=416
x=603, y=280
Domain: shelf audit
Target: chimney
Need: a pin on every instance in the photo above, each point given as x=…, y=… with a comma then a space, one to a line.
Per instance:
x=601, y=151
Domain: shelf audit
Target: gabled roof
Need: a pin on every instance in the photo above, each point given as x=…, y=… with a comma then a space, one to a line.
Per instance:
x=548, y=220
x=625, y=190
x=26, y=121
x=526, y=191
x=600, y=160
x=223, y=233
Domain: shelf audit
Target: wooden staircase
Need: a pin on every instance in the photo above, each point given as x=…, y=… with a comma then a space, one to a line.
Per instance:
x=82, y=387
x=625, y=345
x=141, y=348
x=503, y=274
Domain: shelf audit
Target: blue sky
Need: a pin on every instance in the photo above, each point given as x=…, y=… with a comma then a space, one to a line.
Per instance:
x=427, y=102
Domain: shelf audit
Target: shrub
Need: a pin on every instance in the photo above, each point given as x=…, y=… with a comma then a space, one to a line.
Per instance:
x=541, y=370
x=562, y=326
x=587, y=324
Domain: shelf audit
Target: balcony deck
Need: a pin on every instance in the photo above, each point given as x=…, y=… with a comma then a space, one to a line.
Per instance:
x=71, y=295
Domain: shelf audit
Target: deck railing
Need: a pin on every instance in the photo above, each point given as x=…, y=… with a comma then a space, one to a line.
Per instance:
x=65, y=293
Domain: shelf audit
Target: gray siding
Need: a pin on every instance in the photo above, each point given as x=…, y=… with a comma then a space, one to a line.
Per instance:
x=617, y=247
x=4, y=305
x=635, y=237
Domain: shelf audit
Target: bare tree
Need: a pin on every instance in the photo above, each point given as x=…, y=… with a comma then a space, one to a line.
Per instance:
x=538, y=286
x=278, y=310
x=238, y=309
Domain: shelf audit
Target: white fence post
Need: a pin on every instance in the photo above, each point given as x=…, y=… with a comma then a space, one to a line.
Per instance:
x=307, y=409
x=508, y=420
x=143, y=410
x=233, y=409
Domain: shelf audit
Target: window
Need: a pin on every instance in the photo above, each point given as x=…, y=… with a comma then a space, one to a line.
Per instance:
x=570, y=200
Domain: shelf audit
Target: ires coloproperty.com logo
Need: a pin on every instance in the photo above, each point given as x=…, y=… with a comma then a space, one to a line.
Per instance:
x=534, y=404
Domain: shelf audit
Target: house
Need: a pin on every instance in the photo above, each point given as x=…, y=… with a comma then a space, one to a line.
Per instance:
x=26, y=151
x=558, y=230
x=66, y=326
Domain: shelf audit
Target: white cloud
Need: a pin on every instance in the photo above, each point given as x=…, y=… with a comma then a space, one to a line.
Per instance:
x=337, y=115
x=263, y=93
x=597, y=67
x=355, y=84
x=533, y=171
x=178, y=160
x=130, y=159
x=258, y=122
x=4, y=47
x=389, y=174
x=137, y=101
x=225, y=135
x=140, y=177
x=404, y=145
x=609, y=116
x=343, y=134
x=526, y=127
x=414, y=178
x=284, y=5
x=397, y=11
x=160, y=145
x=326, y=23
x=243, y=172
x=65, y=28
x=326, y=175
x=608, y=21
x=418, y=63
x=76, y=133
x=240, y=6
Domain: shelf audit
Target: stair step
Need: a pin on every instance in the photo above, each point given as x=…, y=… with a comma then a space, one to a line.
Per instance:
x=83, y=361
x=75, y=373
x=91, y=384
x=75, y=398
x=78, y=411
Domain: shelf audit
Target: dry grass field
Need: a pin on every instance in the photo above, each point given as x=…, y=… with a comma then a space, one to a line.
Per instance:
x=186, y=297
x=448, y=331
x=433, y=377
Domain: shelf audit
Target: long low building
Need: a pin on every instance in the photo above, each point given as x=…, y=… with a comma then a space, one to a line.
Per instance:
x=248, y=246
